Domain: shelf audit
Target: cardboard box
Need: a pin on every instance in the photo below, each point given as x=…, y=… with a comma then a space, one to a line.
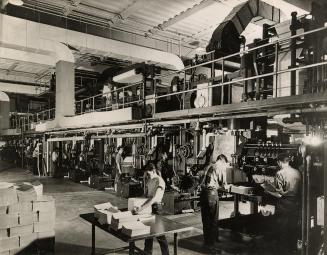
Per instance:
x=320, y=211
x=45, y=216
x=20, y=208
x=21, y=230
x=16, y=251
x=48, y=234
x=44, y=204
x=26, y=219
x=3, y=210
x=4, y=233
x=103, y=206
x=9, y=243
x=38, y=187
x=26, y=240
x=8, y=221
x=43, y=226
x=8, y=194
x=26, y=193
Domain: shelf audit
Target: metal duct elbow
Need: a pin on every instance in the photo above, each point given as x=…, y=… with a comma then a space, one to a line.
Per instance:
x=4, y=97
x=63, y=53
x=225, y=39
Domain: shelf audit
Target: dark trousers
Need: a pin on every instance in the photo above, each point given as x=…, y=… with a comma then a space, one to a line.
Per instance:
x=148, y=243
x=56, y=170
x=209, y=202
x=286, y=223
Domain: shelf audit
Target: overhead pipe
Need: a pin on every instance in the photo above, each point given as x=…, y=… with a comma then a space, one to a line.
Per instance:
x=38, y=37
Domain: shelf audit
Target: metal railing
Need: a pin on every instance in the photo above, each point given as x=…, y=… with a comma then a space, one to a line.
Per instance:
x=279, y=89
x=115, y=99
x=276, y=89
x=134, y=94
x=25, y=121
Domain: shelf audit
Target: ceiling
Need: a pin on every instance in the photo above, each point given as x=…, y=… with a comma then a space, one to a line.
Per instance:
x=24, y=72
x=178, y=21
x=184, y=22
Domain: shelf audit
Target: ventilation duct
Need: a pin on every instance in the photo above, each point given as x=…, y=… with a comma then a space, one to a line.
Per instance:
x=225, y=39
x=44, y=38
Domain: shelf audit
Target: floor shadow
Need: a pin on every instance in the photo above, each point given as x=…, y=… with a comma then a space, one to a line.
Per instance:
x=232, y=243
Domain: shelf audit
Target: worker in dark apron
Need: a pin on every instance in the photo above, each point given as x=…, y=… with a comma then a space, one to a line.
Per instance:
x=287, y=190
x=209, y=202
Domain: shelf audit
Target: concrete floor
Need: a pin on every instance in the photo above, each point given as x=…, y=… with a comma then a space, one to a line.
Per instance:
x=73, y=234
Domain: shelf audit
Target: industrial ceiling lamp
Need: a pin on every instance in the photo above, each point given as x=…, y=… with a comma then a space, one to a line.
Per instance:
x=16, y=2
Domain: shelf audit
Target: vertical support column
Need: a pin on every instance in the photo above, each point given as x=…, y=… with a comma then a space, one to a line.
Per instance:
x=308, y=200
x=293, y=28
x=4, y=111
x=304, y=187
x=65, y=89
x=244, y=68
x=175, y=243
x=93, y=238
x=325, y=195
x=265, y=35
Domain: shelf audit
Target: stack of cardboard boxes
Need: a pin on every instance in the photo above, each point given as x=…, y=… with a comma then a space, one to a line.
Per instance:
x=26, y=217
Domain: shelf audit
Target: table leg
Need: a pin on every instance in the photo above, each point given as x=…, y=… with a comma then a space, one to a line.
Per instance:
x=131, y=248
x=236, y=206
x=93, y=239
x=175, y=243
x=254, y=207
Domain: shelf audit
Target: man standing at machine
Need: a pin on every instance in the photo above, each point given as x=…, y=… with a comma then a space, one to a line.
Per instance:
x=119, y=164
x=165, y=170
x=286, y=188
x=154, y=192
x=55, y=162
x=209, y=201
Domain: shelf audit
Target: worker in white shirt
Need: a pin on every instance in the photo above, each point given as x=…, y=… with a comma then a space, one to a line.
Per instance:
x=209, y=201
x=35, y=156
x=154, y=192
x=55, y=162
x=119, y=166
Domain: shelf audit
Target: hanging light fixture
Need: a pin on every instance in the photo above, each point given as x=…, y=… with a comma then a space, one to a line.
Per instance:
x=16, y=2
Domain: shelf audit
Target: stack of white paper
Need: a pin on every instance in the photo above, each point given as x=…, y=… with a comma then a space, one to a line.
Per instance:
x=135, y=228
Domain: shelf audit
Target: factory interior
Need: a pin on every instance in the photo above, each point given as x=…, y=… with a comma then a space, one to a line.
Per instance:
x=163, y=127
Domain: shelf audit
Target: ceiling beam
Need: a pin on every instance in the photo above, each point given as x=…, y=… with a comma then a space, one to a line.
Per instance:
x=70, y=7
x=135, y=6
x=12, y=67
x=181, y=16
x=17, y=88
